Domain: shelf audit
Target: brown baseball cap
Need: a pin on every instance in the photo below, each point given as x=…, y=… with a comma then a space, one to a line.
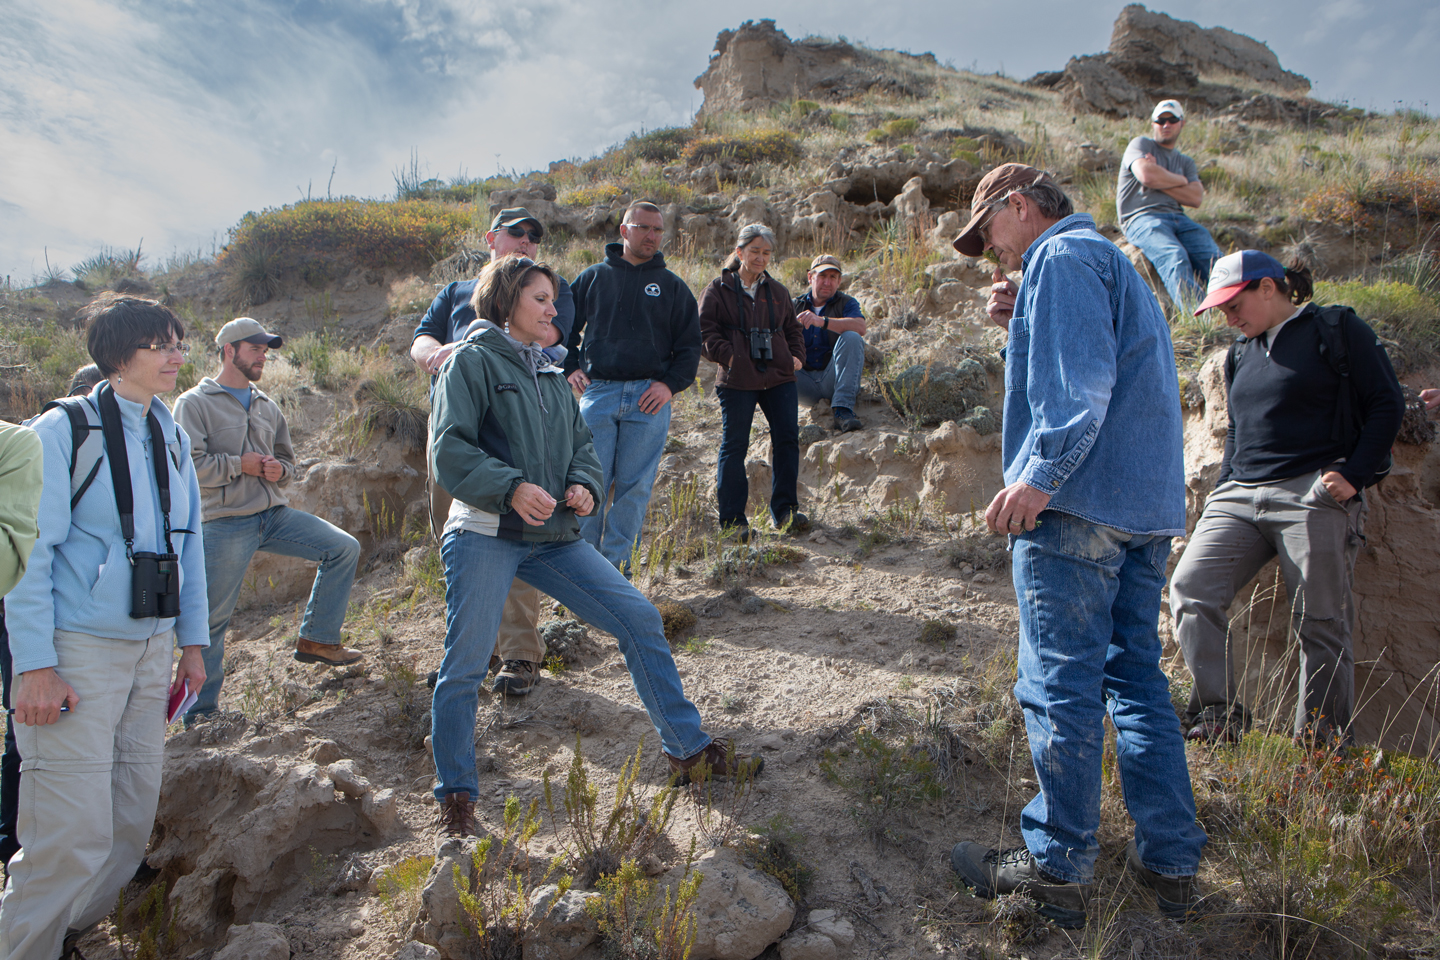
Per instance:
x=510, y=216
x=826, y=262
x=996, y=184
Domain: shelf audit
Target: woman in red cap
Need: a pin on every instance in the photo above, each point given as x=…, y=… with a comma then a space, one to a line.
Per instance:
x=1314, y=406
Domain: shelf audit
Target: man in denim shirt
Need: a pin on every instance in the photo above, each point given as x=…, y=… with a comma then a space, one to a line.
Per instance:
x=1093, y=461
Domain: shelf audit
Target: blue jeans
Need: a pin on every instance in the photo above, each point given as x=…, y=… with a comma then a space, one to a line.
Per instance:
x=478, y=571
x=839, y=382
x=628, y=444
x=1089, y=605
x=230, y=542
x=737, y=411
x=1180, y=249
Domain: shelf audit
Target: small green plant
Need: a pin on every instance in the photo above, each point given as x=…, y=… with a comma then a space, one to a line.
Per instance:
x=600, y=841
x=638, y=922
x=771, y=848
x=677, y=618
x=752, y=147
x=696, y=645
x=407, y=716
x=400, y=885
x=744, y=560
x=427, y=574
x=153, y=938
x=887, y=780
x=496, y=897
x=107, y=268
x=939, y=632
x=399, y=404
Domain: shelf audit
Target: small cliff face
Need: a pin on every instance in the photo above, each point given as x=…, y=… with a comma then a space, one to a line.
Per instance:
x=1207, y=51
x=757, y=65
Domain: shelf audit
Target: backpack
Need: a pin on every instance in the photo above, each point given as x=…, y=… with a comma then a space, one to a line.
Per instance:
x=1336, y=351
x=87, y=444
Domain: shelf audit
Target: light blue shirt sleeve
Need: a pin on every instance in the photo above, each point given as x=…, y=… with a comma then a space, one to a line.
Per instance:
x=1071, y=367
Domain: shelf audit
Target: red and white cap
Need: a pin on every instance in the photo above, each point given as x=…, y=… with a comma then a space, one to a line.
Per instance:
x=1231, y=273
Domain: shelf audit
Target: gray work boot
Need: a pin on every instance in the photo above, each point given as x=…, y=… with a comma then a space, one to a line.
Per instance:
x=991, y=872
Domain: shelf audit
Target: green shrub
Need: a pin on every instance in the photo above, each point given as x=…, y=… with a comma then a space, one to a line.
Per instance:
x=839, y=120
x=888, y=781
x=771, y=848
x=1363, y=204
x=407, y=234
x=637, y=922
x=106, y=268
x=659, y=146
x=589, y=196
x=400, y=885
x=803, y=108
x=399, y=403
x=902, y=127
x=753, y=147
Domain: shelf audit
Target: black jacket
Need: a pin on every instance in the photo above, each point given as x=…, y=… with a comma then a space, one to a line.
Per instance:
x=1283, y=405
x=638, y=323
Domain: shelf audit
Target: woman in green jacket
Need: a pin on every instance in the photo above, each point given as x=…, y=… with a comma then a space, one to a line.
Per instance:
x=509, y=444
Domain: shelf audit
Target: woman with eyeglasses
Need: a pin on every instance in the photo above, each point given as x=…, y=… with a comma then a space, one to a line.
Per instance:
x=748, y=325
x=1314, y=406
x=509, y=444
x=91, y=692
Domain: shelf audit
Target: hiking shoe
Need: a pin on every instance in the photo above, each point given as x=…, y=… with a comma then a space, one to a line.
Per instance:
x=792, y=522
x=718, y=760
x=457, y=815
x=738, y=529
x=991, y=872
x=1216, y=726
x=330, y=654
x=1175, y=896
x=845, y=420
x=516, y=678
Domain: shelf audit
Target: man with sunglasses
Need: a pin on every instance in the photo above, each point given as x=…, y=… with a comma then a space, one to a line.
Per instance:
x=240, y=443
x=519, y=650
x=641, y=346
x=1156, y=181
x=1095, y=488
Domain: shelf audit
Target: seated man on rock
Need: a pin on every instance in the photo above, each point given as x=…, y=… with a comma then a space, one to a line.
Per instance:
x=834, y=343
x=1156, y=180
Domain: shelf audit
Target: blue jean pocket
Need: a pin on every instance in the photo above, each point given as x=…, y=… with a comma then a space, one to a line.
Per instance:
x=1089, y=541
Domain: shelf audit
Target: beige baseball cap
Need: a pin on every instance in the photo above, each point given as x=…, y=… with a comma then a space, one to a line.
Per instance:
x=244, y=328
x=826, y=262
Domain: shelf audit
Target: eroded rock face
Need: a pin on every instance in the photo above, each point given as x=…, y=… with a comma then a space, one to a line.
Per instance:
x=1397, y=619
x=234, y=826
x=739, y=911
x=757, y=65
x=1205, y=50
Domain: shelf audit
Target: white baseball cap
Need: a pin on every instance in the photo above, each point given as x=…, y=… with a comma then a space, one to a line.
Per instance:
x=1167, y=106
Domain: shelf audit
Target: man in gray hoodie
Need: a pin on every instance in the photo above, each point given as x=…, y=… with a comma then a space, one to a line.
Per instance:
x=241, y=447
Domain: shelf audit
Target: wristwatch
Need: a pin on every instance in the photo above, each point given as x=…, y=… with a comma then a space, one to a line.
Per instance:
x=827, y=324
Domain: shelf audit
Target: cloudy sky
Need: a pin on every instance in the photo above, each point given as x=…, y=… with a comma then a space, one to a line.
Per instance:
x=166, y=120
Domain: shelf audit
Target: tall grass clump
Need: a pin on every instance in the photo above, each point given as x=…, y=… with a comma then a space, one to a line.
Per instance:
x=107, y=268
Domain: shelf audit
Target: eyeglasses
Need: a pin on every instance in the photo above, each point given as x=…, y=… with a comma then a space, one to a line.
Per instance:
x=995, y=208
x=179, y=348
x=517, y=231
x=1167, y=121
x=642, y=228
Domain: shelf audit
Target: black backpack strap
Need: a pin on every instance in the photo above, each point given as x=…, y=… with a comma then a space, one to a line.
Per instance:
x=1336, y=350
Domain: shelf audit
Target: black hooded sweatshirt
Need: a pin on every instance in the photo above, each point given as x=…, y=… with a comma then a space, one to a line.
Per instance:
x=638, y=323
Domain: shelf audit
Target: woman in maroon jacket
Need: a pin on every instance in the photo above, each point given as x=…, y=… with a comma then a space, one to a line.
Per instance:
x=748, y=325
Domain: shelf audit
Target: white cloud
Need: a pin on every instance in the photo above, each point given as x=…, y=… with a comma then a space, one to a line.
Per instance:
x=168, y=119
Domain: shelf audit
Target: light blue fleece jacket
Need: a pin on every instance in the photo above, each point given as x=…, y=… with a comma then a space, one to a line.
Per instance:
x=78, y=578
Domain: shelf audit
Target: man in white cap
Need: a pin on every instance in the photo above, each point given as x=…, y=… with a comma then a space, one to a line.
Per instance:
x=834, y=343
x=1156, y=181
x=241, y=447
x=519, y=649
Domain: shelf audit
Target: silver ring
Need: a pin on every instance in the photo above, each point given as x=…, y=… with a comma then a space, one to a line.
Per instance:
x=1016, y=523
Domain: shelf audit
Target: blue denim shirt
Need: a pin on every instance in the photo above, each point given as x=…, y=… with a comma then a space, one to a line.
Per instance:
x=1092, y=399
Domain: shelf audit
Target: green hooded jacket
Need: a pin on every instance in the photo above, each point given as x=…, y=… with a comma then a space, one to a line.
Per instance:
x=489, y=433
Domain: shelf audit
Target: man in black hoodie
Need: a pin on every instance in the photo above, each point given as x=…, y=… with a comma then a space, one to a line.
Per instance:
x=635, y=344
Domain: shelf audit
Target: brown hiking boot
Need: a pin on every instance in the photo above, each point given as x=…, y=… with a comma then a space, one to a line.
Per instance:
x=457, y=815
x=330, y=654
x=516, y=678
x=719, y=759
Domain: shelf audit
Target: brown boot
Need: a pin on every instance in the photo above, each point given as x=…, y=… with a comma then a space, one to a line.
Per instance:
x=718, y=760
x=331, y=654
x=457, y=815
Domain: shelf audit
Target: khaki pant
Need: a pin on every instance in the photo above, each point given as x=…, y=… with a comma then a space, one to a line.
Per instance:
x=1317, y=540
x=519, y=634
x=88, y=792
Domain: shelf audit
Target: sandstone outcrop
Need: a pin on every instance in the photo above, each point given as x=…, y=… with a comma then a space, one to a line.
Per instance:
x=739, y=911
x=1153, y=56
x=758, y=65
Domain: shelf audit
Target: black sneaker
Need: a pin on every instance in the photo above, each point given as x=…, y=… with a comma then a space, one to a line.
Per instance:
x=1175, y=896
x=845, y=420
x=991, y=872
x=516, y=678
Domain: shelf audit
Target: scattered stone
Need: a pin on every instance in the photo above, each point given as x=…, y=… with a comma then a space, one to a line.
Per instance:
x=807, y=945
x=563, y=927
x=445, y=926
x=381, y=808
x=415, y=950
x=812, y=433
x=354, y=875
x=255, y=941
x=752, y=604
x=347, y=779
x=835, y=927
x=739, y=911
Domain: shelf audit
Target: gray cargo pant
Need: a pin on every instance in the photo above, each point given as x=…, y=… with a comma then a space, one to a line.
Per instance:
x=1317, y=539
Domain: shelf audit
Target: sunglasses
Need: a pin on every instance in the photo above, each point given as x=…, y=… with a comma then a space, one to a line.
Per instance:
x=517, y=231
x=1167, y=121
